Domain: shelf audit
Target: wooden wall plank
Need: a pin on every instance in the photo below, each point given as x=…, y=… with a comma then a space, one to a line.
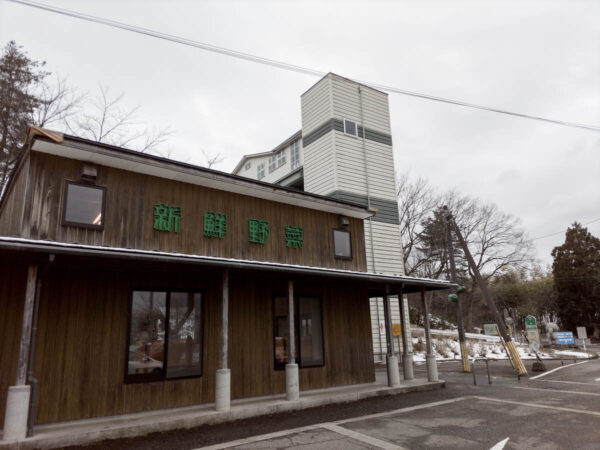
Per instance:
x=129, y=218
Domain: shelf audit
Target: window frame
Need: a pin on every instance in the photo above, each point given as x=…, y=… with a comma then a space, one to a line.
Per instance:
x=273, y=163
x=150, y=377
x=90, y=226
x=355, y=127
x=336, y=256
x=260, y=168
x=295, y=151
x=298, y=360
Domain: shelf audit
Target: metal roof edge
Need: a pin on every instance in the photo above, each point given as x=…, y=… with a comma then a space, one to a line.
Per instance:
x=44, y=246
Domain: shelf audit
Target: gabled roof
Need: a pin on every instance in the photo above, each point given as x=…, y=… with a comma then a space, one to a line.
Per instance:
x=288, y=141
x=73, y=147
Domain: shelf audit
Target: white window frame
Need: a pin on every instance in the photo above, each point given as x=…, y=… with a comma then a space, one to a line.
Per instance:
x=272, y=163
x=281, y=158
x=260, y=171
x=295, y=154
x=355, y=127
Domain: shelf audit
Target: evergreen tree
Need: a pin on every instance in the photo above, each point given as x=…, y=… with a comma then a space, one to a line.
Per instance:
x=576, y=270
x=19, y=77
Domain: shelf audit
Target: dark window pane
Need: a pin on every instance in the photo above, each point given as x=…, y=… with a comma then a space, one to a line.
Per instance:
x=147, y=335
x=341, y=244
x=311, y=331
x=84, y=205
x=184, y=357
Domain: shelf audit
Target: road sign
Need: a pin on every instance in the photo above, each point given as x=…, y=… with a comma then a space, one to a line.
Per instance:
x=581, y=333
x=490, y=329
x=564, y=337
x=535, y=346
x=397, y=329
x=530, y=323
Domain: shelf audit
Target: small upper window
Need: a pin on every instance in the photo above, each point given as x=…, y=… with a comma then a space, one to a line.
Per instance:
x=295, y=154
x=342, y=245
x=248, y=166
x=272, y=163
x=260, y=171
x=84, y=205
x=281, y=158
x=350, y=128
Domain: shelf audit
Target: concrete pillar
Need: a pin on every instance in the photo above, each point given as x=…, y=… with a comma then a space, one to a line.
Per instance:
x=17, y=410
x=223, y=375
x=393, y=372
x=17, y=402
x=292, y=385
x=223, y=390
x=432, y=372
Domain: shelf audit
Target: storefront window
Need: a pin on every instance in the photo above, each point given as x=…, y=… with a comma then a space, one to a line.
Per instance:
x=165, y=338
x=308, y=331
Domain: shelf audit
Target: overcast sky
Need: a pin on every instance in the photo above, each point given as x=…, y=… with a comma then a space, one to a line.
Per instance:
x=539, y=58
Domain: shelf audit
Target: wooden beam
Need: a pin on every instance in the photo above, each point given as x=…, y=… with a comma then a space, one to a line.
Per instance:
x=26, y=326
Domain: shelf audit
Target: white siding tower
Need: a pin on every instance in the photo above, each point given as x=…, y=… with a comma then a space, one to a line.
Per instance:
x=347, y=150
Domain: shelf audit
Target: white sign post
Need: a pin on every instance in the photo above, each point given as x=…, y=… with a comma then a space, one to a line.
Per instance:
x=582, y=334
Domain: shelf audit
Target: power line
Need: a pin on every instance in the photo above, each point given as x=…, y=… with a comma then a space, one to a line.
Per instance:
x=563, y=231
x=283, y=65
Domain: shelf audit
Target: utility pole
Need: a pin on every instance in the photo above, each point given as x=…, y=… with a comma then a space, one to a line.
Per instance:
x=510, y=345
x=464, y=353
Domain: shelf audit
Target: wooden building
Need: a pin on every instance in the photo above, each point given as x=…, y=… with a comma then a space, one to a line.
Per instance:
x=131, y=283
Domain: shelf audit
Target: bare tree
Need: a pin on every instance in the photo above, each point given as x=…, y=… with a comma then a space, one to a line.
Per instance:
x=496, y=239
x=58, y=103
x=106, y=120
x=210, y=159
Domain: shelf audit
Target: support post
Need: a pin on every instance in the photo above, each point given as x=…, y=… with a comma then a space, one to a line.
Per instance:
x=292, y=386
x=407, y=356
x=512, y=349
x=464, y=352
x=17, y=402
x=223, y=377
x=432, y=371
x=393, y=373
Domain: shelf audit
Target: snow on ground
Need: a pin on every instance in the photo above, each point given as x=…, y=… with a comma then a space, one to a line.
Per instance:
x=446, y=347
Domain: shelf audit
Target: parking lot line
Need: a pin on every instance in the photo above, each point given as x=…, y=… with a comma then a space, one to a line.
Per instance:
x=536, y=405
x=567, y=382
x=361, y=437
x=558, y=368
x=557, y=390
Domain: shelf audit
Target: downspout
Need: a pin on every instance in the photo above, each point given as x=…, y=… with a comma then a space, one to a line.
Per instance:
x=30, y=373
x=364, y=144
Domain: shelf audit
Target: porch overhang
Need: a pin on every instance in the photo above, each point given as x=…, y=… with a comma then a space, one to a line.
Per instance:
x=377, y=283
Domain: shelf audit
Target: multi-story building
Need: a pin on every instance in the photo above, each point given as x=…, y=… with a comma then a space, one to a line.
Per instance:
x=344, y=151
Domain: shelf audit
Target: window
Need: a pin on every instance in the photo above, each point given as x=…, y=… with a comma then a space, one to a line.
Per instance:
x=281, y=158
x=260, y=171
x=84, y=205
x=350, y=128
x=272, y=163
x=165, y=335
x=295, y=154
x=248, y=166
x=342, y=246
x=308, y=331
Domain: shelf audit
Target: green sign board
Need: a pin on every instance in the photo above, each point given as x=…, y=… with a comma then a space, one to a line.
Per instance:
x=530, y=323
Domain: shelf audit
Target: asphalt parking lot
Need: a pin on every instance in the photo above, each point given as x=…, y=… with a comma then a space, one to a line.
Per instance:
x=558, y=410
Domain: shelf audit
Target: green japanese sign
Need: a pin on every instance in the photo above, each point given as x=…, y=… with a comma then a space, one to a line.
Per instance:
x=215, y=224
x=530, y=323
x=258, y=231
x=167, y=218
x=294, y=236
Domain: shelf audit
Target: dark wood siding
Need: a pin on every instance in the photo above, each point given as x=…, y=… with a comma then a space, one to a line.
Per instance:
x=13, y=278
x=80, y=359
x=129, y=218
x=12, y=211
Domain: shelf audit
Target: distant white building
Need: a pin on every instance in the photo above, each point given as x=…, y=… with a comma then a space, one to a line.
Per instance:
x=344, y=150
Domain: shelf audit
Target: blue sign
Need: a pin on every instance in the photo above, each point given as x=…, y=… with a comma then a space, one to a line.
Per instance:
x=565, y=337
